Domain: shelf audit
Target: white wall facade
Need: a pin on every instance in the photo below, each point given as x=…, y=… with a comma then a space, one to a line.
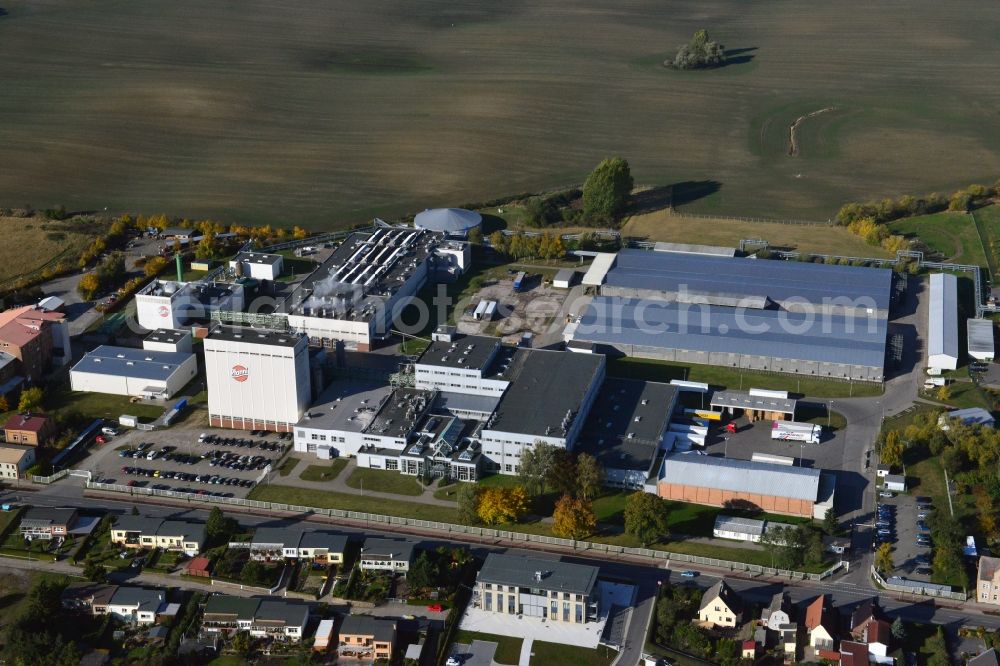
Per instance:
x=161, y=311
x=457, y=380
x=942, y=322
x=256, y=386
x=117, y=384
x=260, y=270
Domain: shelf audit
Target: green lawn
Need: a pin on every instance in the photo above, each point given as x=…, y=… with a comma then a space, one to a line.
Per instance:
x=558, y=654
x=953, y=235
x=508, y=648
x=330, y=500
x=287, y=465
x=324, y=472
x=384, y=482
x=988, y=220
x=94, y=405
x=664, y=371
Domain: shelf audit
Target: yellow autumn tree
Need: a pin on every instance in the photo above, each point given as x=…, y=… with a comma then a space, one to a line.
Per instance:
x=299, y=233
x=573, y=518
x=88, y=286
x=892, y=449
x=502, y=505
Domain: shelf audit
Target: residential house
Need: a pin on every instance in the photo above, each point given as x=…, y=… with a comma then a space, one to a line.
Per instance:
x=387, y=555
x=821, y=624
x=778, y=612
x=367, y=637
x=45, y=523
x=988, y=581
x=878, y=635
x=544, y=590
x=721, y=606
x=225, y=614
x=894, y=482
x=144, y=532
x=867, y=611
x=789, y=640
x=853, y=654
x=280, y=620
x=750, y=649
x=34, y=337
x=280, y=543
x=15, y=460
x=29, y=429
x=137, y=605
x=323, y=548
x=988, y=658
x=89, y=598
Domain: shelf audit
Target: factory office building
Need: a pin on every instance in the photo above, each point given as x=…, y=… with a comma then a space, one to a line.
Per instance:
x=128, y=371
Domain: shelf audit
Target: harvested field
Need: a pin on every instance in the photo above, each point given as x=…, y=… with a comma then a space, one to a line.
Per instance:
x=31, y=243
x=327, y=113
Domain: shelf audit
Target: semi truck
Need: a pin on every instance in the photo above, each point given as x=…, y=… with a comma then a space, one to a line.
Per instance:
x=519, y=281
x=791, y=431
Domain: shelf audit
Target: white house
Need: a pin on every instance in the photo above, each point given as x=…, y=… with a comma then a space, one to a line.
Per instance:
x=894, y=482
x=386, y=555
x=778, y=613
x=258, y=265
x=137, y=605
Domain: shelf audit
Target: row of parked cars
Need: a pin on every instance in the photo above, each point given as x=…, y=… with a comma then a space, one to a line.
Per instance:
x=234, y=461
x=240, y=442
x=885, y=529
x=212, y=479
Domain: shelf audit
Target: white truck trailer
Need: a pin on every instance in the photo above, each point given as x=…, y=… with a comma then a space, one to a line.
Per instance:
x=792, y=431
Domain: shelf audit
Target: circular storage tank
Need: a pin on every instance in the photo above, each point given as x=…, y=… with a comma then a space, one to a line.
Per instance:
x=454, y=221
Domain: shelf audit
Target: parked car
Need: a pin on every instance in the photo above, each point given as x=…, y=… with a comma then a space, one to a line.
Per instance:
x=689, y=574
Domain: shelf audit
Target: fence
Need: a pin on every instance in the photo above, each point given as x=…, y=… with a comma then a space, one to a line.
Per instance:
x=929, y=590
x=46, y=480
x=471, y=531
x=765, y=220
x=313, y=240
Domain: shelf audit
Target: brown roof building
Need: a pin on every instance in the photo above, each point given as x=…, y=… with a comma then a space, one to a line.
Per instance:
x=199, y=566
x=988, y=581
x=33, y=336
x=29, y=429
x=853, y=654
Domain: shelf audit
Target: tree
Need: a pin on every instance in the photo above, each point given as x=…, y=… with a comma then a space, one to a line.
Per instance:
x=95, y=572
x=31, y=399
x=606, y=190
x=573, y=518
x=88, y=286
x=154, y=266
x=727, y=652
x=646, y=517
x=953, y=459
x=830, y=525
x=423, y=573
x=883, y=558
x=533, y=471
x=502, y=505
x=135, y=510
x=298, y=233
x=944, y=393
x=699, y=53
x=242, y=643
x=589, y=477
x=207, y=247
x=937, y=645
x=899, y=629
x=892, y=450
x=561, y=475
x=218, y=527
x=467, y=498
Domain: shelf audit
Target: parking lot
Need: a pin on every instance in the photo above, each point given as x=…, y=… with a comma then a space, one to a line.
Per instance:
x=901, y=516
x=755, y=437
x=225, y=462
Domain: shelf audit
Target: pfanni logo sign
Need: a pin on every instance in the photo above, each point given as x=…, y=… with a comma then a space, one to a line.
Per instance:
x=163, y=311
x=240, y=373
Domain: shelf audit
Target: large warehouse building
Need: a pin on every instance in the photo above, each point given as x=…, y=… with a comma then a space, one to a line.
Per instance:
x=171, y=304
x=803, y=318
x=794, y=491
x=356, y=294
x=257, y=379
x=135, y=372
x=942, y=322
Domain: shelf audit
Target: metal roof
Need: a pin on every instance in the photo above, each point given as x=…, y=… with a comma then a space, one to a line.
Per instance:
x=140, y=597
x=279, y=611
x=462, y=402
x=739, y=525
x=399, y=550
x=345, y=405
x=742, y=476
x=555, y=575
x=565, y=275
x=780, y=281
x=942, y=316
x=693, y=248
x=980, y=337
x=598, y=270
x=741, y=400
x=256, y=258
x=130, y=362
x=379, y=628
x=168, y=335
x=824, y=338
x=242, y=608
x=473, y=352
x=448, y=220
x=256, y=336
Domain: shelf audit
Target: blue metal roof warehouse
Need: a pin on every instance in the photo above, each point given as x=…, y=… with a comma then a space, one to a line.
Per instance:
x=778, y=281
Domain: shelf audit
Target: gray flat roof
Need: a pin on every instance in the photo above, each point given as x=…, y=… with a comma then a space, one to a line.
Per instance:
x=626, y=423
x=142, y=524
x=257, y=258
x=400, y=550
x=739, y=525
x=283, y=536
x=449, y=401
x=545, y=386
x=741, y=400
x=130, y=362
x=777, y=280
x=743, y=476
x=346, y=405
x=693, y=248
x=400, y=412
x=468, y=351
x=168, y=335
x=259, y=336
x=823, y=338
x=565, y=275
x=980, y=336
x=556, y=575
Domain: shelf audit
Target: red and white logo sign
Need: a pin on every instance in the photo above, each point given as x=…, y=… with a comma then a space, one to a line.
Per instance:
x=240, y=373
x=164, y=311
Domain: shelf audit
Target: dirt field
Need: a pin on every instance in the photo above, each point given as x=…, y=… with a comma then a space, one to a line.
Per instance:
x=665, y=226
x=326, y=113
x=30, y=243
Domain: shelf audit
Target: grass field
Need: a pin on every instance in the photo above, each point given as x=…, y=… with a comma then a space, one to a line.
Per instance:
x=384, y=482
x=508, y=648
x=325, y=113
x=952, y=235
x=31, y=243
x=662, y=225
x=324, y=472
x=558, y=654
